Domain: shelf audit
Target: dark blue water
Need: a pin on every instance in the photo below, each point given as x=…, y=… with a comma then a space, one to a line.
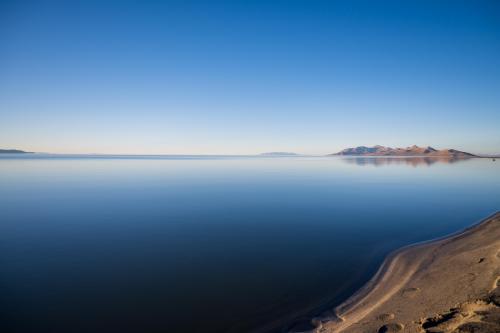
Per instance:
x=213, y=244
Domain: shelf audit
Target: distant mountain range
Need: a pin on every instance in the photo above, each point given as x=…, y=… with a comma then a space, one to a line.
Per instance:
x=13, y=151
x=409, y=151
x=359, y=151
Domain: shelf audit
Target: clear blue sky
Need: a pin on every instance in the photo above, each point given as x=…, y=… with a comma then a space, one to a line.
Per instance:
x=214, y=77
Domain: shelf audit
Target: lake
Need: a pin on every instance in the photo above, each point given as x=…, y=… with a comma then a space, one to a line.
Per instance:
x=213, y=243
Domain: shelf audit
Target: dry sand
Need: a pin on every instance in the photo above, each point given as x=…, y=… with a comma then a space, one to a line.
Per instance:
x=450, y=285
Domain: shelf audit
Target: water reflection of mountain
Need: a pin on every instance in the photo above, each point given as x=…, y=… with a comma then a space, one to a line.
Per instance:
x=413, y=161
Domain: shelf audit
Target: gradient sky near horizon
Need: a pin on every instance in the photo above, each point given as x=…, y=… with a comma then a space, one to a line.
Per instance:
x=244, y=77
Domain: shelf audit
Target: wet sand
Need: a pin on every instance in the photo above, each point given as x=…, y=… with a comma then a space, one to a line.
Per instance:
x=449, y=285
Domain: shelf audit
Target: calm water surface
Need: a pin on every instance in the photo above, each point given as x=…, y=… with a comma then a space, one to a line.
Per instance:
x=213, y=244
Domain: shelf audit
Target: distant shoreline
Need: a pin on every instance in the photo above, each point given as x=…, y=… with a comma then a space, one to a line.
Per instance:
x=21, y=152
x=397, y=295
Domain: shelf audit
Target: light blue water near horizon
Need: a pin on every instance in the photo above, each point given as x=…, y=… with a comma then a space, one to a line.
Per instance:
x=213, y=244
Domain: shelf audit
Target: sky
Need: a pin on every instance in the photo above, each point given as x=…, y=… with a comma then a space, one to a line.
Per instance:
x=246, y=77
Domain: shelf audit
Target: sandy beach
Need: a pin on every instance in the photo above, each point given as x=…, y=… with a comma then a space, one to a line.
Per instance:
x=446, y=285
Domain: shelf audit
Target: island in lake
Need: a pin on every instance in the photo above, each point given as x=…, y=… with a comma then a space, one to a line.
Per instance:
x=13, y=151
x=409, y=151
x=279, y=153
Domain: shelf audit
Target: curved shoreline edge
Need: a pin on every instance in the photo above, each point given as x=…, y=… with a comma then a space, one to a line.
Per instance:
x=397, y=270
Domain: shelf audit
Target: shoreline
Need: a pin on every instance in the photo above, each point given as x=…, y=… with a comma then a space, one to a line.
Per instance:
x=402, y=268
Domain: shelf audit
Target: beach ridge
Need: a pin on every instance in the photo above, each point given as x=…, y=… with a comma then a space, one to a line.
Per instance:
x=395, y=282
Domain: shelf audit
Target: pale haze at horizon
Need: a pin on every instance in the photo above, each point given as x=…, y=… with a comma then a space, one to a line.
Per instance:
x=246, y=78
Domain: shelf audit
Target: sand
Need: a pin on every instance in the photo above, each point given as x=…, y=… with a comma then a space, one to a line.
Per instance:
x=447, y=285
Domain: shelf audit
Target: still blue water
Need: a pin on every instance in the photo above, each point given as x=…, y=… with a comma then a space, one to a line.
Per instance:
x=213, y=244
